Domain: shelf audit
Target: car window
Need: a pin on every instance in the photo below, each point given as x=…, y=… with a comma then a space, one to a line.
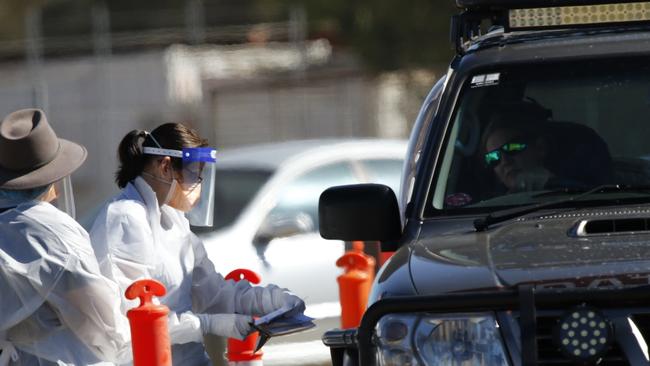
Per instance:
x=417, y=139
x=384, y=171
x=521, y=133
x=234, y=189
x=301, y=195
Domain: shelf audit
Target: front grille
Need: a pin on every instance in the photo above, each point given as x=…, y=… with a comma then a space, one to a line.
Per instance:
x=548, y=353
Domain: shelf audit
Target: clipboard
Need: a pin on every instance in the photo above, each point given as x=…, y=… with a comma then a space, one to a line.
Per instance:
x=279, y=326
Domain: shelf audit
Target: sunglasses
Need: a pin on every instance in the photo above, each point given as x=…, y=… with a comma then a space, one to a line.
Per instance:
x=493, y=158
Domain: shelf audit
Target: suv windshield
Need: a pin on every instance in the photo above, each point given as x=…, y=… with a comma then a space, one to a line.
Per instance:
x=527, y=134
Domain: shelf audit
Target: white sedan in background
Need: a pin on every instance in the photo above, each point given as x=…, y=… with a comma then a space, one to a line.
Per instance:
x=266, y=210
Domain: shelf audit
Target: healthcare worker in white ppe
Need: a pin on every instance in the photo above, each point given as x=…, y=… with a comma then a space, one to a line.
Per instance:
x=55, y=306
x=167, y=177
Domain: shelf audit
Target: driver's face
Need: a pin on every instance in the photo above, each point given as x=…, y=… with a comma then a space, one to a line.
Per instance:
x=512, y=165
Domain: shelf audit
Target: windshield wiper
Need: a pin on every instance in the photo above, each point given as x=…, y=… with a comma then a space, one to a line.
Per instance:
x=609, y=187
x=483, y=223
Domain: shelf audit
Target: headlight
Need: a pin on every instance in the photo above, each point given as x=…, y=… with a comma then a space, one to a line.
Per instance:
x=427, y=339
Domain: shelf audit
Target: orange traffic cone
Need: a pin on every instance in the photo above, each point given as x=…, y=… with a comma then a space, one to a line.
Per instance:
x=354, y=284
x=242, y=353
x=149, y=332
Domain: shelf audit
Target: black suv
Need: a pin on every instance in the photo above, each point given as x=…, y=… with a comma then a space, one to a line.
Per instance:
x=522, y=228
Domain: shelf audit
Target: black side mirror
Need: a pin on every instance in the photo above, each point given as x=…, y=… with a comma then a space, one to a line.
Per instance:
x=367, y=212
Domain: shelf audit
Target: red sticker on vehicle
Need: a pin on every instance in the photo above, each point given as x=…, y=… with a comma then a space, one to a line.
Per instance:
x=458, y=199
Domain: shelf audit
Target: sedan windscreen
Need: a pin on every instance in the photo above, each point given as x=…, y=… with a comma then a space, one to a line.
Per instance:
x=523, y=134
x=234, y=189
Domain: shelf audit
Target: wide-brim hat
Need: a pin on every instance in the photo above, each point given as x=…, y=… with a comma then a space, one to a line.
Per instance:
x=31, y=155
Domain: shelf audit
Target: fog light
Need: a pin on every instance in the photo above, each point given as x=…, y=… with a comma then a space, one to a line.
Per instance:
x=584, y=334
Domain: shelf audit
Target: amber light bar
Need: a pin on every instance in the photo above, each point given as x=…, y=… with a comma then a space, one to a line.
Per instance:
x=579, y=15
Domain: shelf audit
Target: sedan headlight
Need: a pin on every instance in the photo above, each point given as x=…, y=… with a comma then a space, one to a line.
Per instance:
x=428, y=339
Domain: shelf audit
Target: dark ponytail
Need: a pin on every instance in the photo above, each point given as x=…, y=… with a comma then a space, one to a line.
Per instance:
x=173, y=136
x=132, y=160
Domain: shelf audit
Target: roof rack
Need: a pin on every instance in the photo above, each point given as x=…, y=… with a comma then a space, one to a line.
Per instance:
x=543, y=15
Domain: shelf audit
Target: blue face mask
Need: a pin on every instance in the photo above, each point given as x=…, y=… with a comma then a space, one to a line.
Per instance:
x=10, y=198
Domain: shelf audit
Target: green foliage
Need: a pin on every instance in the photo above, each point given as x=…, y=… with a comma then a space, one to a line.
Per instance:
x=388, y=34
x=12, y=13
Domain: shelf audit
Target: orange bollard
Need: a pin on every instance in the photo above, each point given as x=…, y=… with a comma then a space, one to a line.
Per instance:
x=149, y=332
x=242, y=353
x=354, y=284
x=384, y=256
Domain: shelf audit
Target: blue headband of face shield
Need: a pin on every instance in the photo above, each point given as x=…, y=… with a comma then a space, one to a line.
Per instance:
x=199, y=154
x=198, y=173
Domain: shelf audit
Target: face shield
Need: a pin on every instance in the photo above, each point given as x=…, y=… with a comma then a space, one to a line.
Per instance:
x=192, y=191
x=199, y=174
x=60, y=195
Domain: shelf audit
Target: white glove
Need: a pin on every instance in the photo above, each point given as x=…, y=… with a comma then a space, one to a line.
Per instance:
x=272, y=297
x=226, y=325
x=242, y=298
x=291, y=301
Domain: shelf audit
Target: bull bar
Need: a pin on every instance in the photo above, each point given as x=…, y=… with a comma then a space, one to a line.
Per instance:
x=525, y=298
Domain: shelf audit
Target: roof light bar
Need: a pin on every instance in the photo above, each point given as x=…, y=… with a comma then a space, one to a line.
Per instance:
x=579, y=15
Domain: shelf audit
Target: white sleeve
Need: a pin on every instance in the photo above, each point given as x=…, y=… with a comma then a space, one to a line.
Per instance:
x=128, y=242
x=211, y=293
x=123, y=243
x=88, y=305
x=86, y=302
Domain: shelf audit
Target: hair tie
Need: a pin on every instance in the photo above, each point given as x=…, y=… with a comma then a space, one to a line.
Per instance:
x=141, y=138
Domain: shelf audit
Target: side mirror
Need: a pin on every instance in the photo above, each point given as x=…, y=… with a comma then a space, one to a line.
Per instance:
x=283, y=225
x=367, y=212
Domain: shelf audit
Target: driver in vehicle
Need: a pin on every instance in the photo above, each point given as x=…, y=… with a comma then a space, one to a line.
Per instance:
x=516, y=148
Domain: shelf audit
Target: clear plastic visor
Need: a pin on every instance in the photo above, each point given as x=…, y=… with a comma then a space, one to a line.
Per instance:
x=202, y=213
x=196, y=194
x=60, y=195
x=199, y=171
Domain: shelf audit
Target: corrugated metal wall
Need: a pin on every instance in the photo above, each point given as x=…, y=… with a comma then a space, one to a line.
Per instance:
x=92, y=102
x=335, y=105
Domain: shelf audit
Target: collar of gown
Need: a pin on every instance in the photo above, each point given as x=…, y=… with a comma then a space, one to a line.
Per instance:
x=166, y=217
x=148, y=195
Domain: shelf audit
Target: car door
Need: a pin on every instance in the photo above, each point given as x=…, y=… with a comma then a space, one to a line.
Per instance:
x=288, y=241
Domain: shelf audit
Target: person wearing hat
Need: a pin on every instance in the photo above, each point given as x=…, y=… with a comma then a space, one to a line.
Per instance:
x=57, y=308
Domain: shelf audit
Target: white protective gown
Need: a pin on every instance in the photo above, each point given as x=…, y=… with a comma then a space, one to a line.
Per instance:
x=134, y=238
x=56, y=307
